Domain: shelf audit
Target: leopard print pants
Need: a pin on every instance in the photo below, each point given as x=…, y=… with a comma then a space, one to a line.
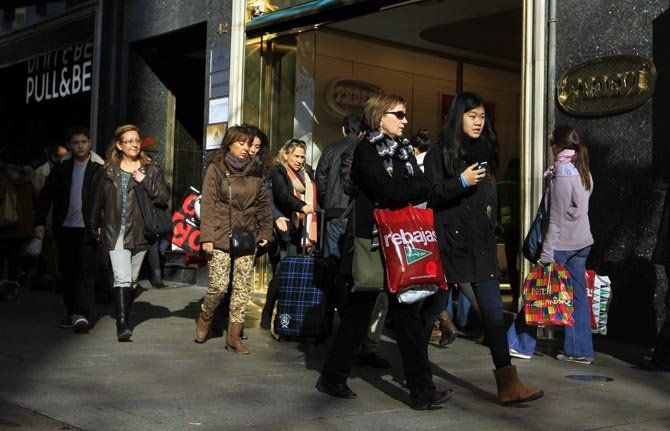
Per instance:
x=219, y=272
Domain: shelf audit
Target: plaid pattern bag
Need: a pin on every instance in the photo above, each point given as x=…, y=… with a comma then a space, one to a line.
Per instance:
x=301, y=304
x=547, y=296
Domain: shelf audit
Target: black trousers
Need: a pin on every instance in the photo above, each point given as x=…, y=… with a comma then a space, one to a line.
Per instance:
x=10, y=251
x=77, y=262
x=412, y=343
x=511, y=238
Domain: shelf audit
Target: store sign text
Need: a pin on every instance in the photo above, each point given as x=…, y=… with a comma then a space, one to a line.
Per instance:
x=59, y=73
x=607, y=85
x=348, y=96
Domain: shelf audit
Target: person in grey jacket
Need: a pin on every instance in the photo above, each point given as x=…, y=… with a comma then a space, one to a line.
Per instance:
x=566, y=241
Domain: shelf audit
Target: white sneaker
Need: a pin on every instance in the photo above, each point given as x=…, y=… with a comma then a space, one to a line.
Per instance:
x=578, y=360
x=519, y=355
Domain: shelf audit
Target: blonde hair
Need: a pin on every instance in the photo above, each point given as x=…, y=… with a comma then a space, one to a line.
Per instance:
x=376, y=106
x=114, y=155
x=288, y=147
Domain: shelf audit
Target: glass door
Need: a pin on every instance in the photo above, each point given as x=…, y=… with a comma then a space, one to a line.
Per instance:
x=279, y=98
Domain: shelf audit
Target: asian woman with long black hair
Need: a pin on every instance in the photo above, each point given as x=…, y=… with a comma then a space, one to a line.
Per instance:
x=460, y=169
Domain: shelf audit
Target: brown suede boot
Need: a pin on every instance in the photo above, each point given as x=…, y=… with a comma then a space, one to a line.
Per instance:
x=448, y=329
x=202, y=328
x=233, y=340
x=510, y=388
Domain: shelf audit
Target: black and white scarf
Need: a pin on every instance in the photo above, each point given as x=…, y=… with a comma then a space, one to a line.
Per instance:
x=389, y=148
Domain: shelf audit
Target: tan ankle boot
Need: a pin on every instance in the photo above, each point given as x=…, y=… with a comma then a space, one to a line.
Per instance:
x=233, y=340
x=202, y=328
x=510, y=388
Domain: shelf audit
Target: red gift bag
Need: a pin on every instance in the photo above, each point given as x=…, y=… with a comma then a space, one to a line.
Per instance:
x=409, y=243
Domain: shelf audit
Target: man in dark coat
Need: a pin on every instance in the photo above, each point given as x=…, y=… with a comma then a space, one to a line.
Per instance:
x=70, y=189
x=332, y=197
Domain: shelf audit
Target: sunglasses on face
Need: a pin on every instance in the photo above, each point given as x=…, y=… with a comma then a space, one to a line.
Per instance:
x=400, y=115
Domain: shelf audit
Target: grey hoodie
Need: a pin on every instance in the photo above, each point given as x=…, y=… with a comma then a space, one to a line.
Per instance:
x=568, y=228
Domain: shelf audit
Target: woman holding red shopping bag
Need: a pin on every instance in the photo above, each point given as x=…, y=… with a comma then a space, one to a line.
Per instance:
x=386, y=174
x=566, y=241
x=460, y=170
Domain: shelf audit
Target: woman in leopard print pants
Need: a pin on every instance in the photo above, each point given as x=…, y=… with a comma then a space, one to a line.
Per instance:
x=245, y=205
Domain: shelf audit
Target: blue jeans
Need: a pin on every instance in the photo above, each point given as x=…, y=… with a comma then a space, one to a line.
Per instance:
x=464, y=310
x=578, y=342
x=335, y=228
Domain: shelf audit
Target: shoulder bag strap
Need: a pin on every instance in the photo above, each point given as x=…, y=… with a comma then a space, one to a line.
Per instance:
x=230, y=204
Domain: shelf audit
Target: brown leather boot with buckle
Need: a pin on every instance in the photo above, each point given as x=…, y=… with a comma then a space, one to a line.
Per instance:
x=510, y=388
x=233, y=340
x=448, y=329
x=202, y=328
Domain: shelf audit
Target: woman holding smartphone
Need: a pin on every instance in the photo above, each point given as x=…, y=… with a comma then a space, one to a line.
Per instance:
x=233, y=197
x=464, y=200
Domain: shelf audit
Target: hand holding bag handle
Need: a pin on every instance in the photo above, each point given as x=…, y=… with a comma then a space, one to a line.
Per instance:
x=242, y=241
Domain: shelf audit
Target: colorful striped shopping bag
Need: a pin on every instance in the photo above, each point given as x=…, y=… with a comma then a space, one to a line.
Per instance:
x=547, y=296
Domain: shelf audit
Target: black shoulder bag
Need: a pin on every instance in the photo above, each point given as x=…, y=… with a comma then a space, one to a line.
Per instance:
x=156, y=218
x=242, y=241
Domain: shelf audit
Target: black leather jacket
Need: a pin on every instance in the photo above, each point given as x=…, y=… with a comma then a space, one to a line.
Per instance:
x=106, y=213
x=331, y=195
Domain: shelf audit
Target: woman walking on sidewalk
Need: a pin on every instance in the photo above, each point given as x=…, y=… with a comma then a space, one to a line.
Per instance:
x=567, y=241
x=117, y=218
x=460, y=171
x=233, y=197
x=386, y=174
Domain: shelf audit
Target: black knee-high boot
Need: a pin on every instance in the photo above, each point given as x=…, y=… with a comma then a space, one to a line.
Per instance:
x=122, y=300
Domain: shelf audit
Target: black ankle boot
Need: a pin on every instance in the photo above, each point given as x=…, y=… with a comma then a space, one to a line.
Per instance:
x=156, y=279
x=122, y=298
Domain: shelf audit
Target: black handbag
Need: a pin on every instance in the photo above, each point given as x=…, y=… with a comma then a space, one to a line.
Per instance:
x=156, y=218
x=242, y=240
x=532, y=243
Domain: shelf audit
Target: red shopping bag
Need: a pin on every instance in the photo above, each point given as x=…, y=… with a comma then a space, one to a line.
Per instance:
x=547, y=296
x=590, y=276
x=186, y=232
x=409, y=243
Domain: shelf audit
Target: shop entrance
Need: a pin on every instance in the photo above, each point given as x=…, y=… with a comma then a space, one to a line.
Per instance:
x=165, y=91
x=302, y=83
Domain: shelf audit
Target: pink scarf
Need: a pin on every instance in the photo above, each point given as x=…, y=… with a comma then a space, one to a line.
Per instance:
x=562, y=158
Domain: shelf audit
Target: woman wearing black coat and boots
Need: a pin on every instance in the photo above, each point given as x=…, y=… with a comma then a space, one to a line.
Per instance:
x=386, y=174
x=459, y=168
x=116, y=215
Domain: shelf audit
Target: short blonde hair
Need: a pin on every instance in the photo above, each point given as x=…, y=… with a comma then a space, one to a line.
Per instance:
x=376, y=106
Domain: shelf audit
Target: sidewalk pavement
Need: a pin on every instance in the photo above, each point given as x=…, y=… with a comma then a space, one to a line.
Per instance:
x=164, y=381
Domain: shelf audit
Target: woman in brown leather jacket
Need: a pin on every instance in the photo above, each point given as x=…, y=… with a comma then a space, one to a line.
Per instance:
x=244, y=205
x=117, y=218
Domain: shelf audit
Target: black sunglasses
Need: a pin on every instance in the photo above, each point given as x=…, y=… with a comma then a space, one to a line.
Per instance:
x=400, y=115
